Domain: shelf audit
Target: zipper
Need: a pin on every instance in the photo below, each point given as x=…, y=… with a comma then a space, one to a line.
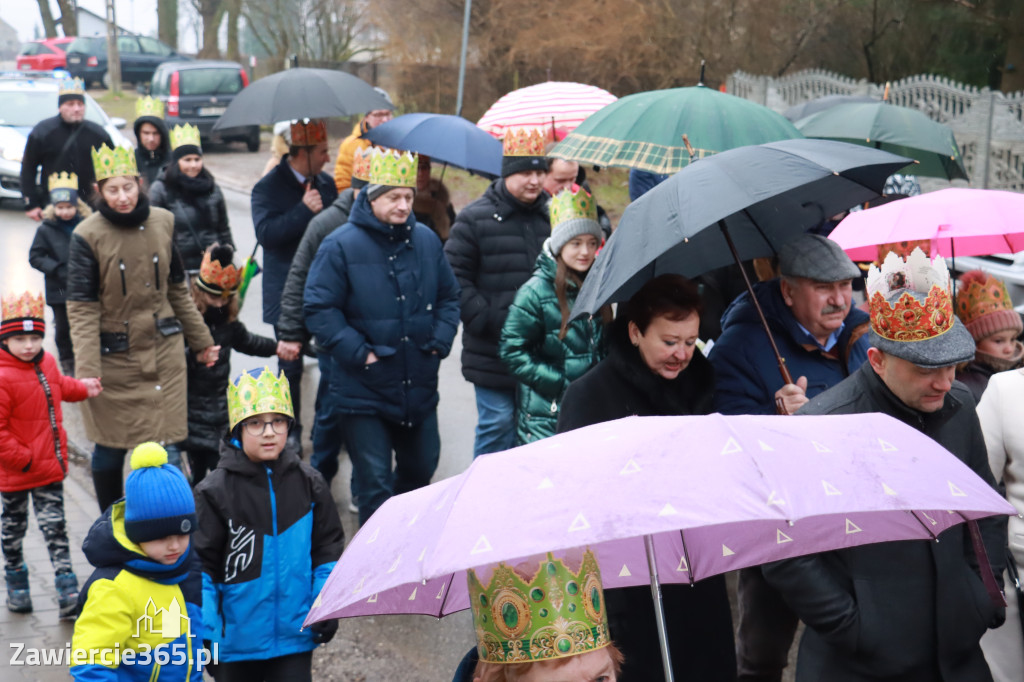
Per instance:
x=156, y=270
x=273, y=521
x=54, y=427
x=124, y=285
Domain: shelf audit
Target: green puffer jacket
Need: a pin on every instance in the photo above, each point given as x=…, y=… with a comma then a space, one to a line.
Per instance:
x=542, y=363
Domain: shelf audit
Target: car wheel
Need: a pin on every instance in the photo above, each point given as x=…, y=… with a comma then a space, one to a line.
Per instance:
x=105, y=81
x=253, y=143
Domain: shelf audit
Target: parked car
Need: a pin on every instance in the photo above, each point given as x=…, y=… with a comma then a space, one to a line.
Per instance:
x=140, y=55
x=43, y=55
x=198, y=92
x=24, y=102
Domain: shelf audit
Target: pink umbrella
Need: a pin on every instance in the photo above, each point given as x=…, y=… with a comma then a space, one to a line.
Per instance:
x=559, y=106
x=959, y=222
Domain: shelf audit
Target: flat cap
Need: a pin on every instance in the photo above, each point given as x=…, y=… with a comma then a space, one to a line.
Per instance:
x=815, y=257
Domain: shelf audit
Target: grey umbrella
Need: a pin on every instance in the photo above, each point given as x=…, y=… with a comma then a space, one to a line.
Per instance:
x=301, y=93
x=805, y=109
x=736, y=205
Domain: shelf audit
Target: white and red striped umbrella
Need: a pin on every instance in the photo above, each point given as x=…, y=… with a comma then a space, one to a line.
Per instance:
x=559, y=106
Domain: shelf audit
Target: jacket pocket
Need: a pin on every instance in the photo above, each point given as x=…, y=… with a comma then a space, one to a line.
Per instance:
x=169, y=326
x=113, y=342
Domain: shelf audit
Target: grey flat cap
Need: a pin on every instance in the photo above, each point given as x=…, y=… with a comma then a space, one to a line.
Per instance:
x=815, y=257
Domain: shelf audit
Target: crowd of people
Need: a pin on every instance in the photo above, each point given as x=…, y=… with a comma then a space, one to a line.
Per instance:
x=372, y=272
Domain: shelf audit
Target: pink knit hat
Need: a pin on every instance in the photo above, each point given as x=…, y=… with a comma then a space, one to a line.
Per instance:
x=984, y=305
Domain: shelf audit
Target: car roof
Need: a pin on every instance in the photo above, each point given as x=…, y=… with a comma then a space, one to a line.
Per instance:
x=198, y=64
x=15, y=81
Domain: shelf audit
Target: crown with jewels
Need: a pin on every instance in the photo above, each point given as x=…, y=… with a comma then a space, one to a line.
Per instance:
x=569, y=205
x=22, y=314
x=393, y=168
x=149, y=106
x=63, y=180
x=555, y=613
x=182, y=135
x=361, y=163
x=308, y=132
x=523, y=142
x=907, y=318
x=71, y=86
x=113, y=163
x=250, y=395
x=982, y=295
x=217, y=279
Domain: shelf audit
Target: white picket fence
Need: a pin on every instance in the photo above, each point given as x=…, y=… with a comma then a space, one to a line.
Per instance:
x=988, y=125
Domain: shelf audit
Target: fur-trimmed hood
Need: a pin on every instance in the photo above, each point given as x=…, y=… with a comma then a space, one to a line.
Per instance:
x=83, y=211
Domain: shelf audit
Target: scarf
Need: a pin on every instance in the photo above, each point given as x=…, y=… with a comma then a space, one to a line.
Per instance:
x=133, y=218
x=201, y=185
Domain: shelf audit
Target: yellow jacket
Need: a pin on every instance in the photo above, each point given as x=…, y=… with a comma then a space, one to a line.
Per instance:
x=346, y=150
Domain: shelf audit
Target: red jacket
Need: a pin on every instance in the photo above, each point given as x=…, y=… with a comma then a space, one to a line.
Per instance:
x=28, y=457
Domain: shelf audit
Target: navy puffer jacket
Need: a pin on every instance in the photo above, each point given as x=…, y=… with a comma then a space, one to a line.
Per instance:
x=387, y=289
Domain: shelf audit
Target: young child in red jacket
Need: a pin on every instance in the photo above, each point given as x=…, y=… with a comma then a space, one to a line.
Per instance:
x=33, y=448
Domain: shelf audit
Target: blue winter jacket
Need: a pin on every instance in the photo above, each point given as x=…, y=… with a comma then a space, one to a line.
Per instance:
x=280, y=219
x=746, y=372
x=387, y=289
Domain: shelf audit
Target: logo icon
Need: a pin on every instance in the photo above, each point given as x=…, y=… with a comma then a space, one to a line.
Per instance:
x=165, y=622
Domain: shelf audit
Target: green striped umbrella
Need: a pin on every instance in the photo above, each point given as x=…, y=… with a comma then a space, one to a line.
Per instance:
x=895, y=129
x=645, y=130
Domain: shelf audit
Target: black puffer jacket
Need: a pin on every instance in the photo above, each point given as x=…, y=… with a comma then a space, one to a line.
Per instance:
x=152, y=162
x=58, y=146
x=49, y=251
x=492, y=249
x=200, y=215
x=207, y=386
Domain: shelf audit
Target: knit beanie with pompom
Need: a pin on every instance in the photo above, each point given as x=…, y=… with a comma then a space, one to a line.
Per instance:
x=158, y=501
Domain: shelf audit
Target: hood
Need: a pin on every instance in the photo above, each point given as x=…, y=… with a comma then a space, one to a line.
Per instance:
x=107, y=546
x=778, y=314
x=345, y=200
x=362, y=216
x=164, y=149
x=83, y=212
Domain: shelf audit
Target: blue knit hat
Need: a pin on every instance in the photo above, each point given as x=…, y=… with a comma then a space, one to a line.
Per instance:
x=158, y=501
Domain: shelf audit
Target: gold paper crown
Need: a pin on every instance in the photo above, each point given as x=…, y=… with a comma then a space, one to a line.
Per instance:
x=361, y=163
x=113, y=163
x=981, y=294
x=71, y=86
x=63, y=181
x=22, y=306
x=249, y=396
x=182, y=135
x=217, y=279
x=308, y=132
x=393, y=169
x=149, y=106
x=553, y=614
x=569, y=205
x=907, y=318
x=523, y=142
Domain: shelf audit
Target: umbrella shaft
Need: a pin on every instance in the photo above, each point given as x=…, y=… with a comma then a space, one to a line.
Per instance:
x=659, y=609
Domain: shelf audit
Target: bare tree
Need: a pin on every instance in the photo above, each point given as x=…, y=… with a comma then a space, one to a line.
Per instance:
x=322, y=30
x=49, y=26
x=167, y=22
x=210, y=12
x=68, y=18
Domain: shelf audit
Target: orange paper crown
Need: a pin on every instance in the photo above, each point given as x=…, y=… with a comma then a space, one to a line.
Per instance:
x=907, y=318
x=22, y=306
x=981, y=294
x=308, y=132
x=217, y=279
x=523, y=142
x=361, y=163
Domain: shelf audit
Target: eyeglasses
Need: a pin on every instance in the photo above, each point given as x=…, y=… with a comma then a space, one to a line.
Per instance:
x=257, y=427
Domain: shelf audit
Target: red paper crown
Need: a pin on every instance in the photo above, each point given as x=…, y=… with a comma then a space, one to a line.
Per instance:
x=523, y=142
x=217, y=279
x=911, y=320
x=981, y=294
x=308, y=133
x=22, y=314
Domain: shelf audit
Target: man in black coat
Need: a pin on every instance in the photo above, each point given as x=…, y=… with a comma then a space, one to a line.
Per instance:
x=283, y=202
x=912, y=610
x=61, y=143
x=152, y=148
x=492, y=249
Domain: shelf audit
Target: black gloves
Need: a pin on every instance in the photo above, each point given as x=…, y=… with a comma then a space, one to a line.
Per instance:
x=323, y=632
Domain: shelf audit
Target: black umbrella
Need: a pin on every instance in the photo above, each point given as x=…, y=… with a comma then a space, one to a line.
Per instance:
x=301, y=93
x=736, y=205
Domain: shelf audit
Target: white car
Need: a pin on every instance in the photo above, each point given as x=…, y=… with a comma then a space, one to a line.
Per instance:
x=25, y=100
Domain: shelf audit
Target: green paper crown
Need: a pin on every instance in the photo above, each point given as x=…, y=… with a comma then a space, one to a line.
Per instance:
x=72, y=86
x=249, y=396
x=569, y=205
x=113, y=163
x=393, y=169
x=182, y=135
x=149, y=106
x=556, y=614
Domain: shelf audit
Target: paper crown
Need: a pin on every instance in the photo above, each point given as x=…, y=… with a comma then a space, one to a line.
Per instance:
x=149, y=106
x=569, y=205
x=63, y=180
x=22, y=314
x=908, y=319
x=182, y=135
x=393, y=168
x=215, y=278
x=113, y=163
x=361, y=163
x=523, y=142
x=903, y=249
x=308, y=132
x=553, y=614
x=71, y=86
x=250, y=395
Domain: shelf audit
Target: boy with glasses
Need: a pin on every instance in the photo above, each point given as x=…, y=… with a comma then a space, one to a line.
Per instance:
x=269, y=534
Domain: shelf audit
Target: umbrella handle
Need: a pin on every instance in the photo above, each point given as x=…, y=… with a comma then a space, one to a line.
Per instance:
x=659, y=609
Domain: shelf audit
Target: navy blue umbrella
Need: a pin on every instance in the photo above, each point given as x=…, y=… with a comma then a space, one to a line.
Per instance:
x=442, y=137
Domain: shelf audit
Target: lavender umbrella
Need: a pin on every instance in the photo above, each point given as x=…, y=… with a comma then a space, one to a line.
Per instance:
x=698, y=495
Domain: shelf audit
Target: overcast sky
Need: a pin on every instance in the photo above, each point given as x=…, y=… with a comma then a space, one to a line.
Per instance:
x=138, y=16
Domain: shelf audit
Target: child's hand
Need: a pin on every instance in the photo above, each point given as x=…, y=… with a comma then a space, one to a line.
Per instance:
x=92, y=387
x=289, y=350
x=208, y=356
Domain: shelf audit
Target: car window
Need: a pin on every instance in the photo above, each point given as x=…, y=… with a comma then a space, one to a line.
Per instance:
x=43, y=49
x=159, y=84
x=227, y=81
x=87, y=45
x=127, y=44
x=28, y=49
x=152, y=46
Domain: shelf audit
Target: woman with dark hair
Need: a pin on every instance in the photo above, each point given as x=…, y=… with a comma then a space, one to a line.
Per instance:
x=542, y=349
x=187, y=189
x=130, y=311
x=654, y=368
